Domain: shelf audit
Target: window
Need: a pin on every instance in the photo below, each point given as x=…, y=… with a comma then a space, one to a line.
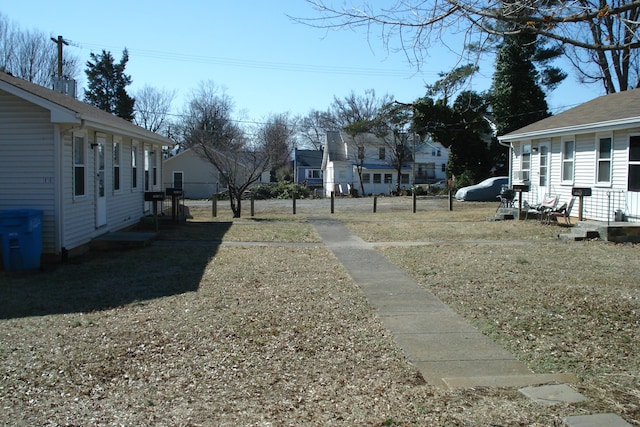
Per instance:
x=404, y=178
x=439, y=153
x=388, y=178
x=154, y=167
x=525, y=163
x=605, y=147
x=444, y=167
x=377, y=178
x=178, y=178
x=568, y=155
x=433, y=152
x=381, y=153
x=79, y=165
x=117, y=146
x=634, y=163
x=146, y=170
x=366, y=177
x=314, y=174
x=134, y=166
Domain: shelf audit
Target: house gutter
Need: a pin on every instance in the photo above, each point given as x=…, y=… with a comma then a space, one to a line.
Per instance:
x=510, y=147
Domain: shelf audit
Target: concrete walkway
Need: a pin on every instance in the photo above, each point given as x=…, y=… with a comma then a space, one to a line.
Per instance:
x=448, y=351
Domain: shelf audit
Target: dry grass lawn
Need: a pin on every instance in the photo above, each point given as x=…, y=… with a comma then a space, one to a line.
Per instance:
x=209, y=335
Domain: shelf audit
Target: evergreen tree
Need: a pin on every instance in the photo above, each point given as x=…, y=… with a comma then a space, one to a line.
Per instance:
x=107, y=84
x=517, y=98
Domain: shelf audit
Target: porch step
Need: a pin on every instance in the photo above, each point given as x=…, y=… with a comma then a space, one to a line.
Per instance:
x=505, y=214
x=617, y=232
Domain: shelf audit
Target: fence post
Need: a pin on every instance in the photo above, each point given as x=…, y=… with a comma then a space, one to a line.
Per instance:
x=214, y=206
x=295, y=196
x=375, y=204
x=414, y=201
x=333, y=199
x=253, y=199
x=450, y=200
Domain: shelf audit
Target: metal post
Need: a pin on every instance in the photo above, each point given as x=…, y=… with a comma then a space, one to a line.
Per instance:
x=375, y=204
x=450, y=200
x=214, y=206
x=333, y=199
x=414, y=201
x=295, y=196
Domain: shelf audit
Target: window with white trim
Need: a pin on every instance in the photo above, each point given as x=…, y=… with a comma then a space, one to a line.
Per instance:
x=117, y=153
x=366, y=177
x=79, y=165
x=314, y=174
x=605, y=154
x=178, y=179
x=134, y=166
x=525, y=163
x=377, y=178
x=633, y=181
x=568, y=159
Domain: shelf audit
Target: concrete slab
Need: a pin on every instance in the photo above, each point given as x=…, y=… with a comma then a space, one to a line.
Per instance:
x=442, y=320
x=597, y=420
x=516, y=380
x=553, y=394
x=461, y=346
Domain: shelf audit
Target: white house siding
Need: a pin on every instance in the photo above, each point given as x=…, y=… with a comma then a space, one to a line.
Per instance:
x=27, y=182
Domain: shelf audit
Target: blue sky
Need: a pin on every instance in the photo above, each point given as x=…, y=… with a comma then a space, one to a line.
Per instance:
x=266, y=62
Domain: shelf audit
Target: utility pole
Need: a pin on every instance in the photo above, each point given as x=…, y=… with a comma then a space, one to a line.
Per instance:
x=59, y=41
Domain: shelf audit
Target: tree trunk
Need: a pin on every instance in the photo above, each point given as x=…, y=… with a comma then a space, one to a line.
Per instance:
x=235, y=202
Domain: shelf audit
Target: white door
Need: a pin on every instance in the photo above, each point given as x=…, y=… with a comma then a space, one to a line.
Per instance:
x=101, y=201
x=544, y=157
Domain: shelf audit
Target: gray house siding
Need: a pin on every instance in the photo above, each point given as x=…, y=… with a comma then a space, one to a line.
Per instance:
x=200, y=179
x=26, y=167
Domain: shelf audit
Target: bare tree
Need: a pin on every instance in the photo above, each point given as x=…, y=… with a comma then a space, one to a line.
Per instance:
x=602, y=34
x=208, y=128
x=30, y=55
x=277, y=136
x=355, y=108
x=152, y=108
x=312, y=129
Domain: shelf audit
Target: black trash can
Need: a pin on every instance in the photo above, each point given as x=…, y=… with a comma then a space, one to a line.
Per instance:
x=21, y=232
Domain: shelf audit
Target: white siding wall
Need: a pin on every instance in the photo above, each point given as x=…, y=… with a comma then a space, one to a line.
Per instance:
x=27, y=176
x=200, y=177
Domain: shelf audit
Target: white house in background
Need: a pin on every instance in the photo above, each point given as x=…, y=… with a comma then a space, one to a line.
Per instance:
x=197, y=177
x=595, y=145
x=85, y=169
x=342, y=155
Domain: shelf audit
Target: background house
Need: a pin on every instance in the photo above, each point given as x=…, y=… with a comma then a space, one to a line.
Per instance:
x=343, y=155
x=595, y=145
x=85, y=169
x=197, y=177
x=307, y=166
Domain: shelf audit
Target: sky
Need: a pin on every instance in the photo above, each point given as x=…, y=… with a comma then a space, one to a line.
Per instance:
x=266, y=62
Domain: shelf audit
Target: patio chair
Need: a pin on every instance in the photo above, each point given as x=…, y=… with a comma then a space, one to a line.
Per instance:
x=541, y=209
x=564, y=211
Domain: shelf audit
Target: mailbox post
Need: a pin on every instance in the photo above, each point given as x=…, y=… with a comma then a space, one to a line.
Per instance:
x=581, y=192
x=175, y=194
x=154, y=197
x=520, y=188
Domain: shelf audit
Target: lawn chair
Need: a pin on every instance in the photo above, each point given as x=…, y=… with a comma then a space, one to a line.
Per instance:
x=564, y=211
x=541, y=209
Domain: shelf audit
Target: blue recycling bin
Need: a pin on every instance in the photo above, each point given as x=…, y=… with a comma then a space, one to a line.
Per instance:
x=21, y=232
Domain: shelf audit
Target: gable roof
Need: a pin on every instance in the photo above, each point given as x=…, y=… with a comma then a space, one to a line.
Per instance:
x=309, y=158
x=616, y=110
x=65, y=109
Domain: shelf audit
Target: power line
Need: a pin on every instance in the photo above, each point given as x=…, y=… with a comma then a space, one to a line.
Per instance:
x=255, y=64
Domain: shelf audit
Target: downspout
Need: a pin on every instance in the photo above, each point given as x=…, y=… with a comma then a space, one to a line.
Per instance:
x=59, y=196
